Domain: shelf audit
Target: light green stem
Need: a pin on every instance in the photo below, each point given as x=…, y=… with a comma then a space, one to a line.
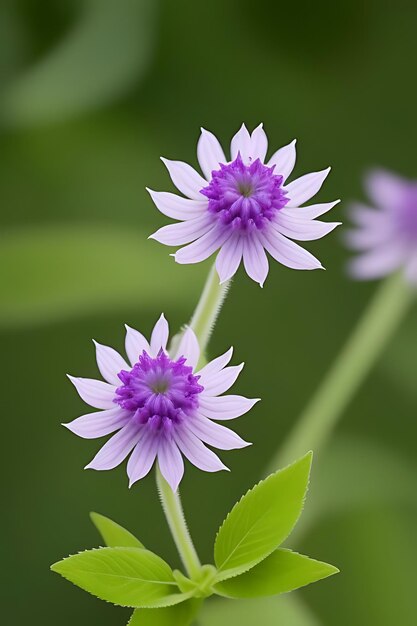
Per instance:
x=174, y=514
x=371, y=335
x=208, y=308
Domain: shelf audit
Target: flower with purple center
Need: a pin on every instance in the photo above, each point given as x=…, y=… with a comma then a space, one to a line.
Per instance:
x=386, y=233
x=242, y=208
x=160, y=406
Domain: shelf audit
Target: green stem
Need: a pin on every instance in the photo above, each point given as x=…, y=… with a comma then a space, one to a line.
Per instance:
x=208, y=308
x=369, y=338
x=174, y=514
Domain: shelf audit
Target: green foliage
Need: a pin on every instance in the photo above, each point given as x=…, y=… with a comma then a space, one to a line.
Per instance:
x=102, y=274
x=178, y=615
x=113, y=534
x=125, y=576
x=280, y=572
x=262, y=519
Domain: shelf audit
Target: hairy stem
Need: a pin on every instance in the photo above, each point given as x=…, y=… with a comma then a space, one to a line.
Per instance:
x=378, y=324
x=174, y=514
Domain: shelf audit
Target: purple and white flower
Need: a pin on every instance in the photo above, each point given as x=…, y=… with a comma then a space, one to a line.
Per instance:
x=243, y=207
x=386, y=232
x=160, y=406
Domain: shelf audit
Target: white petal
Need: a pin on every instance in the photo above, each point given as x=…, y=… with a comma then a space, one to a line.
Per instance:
x=215, y=365
x=305, y=187
x=259, y=144
x=176, y=207
x=377, y=263
x=170, y=463
x=197, y=453
x=183, y=232
x=366, y=237
x=117, y=448
x=303, y=230
x=94, y=392
x=364, y=215
x=215, y=435
x=204, y=247
x=284, y=160
x=209, y=153
x=225, y=407
x=385, y=188
x=135, y=344
x=159, y=337
x=218, y=383
x=142, y=457
x=309, y=212
x=185, y=178
x=229, y=258
x=110, y=363
x=99, y=424
x=255, y=260
x=241, y=142
x=189, y=348
x=287, y=252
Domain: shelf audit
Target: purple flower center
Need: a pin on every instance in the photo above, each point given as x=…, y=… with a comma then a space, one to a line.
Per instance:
x=245, y=197
x=159, y=391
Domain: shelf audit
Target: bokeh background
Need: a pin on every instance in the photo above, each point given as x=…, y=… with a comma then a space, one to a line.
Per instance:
x=92, y=93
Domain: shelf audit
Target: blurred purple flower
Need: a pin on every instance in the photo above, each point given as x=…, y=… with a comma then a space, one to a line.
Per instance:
x=161, y=408
x=386, y=234
x=242, y=207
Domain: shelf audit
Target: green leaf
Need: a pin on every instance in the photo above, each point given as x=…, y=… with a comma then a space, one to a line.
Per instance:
x=113, y=534
x=60, y=85
x=262, y=519
x=280, y=572
x=284, y=610
x=178, y=615
x=76, y=269
x=125, y=576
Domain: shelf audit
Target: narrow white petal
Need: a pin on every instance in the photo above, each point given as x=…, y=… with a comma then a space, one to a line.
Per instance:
x=378, y=262
x=189, y=348
x=225, y=407
x=241, y=142
x=255, y=260
x=218, y=383
x=209, y=153
x=185, y=178
x=284, y=160
x=309, y=212
x=215, y=435
x=287, y=252
x=170, y=463
x=94, y=392
x=215, y=365
x=197, y=453
x=176, y=207
x=159, y=337
x=110, y=363
x=305, y=187
x=143, y=456
x=100, y=423
x=229, y=258
x=364, y=215
x=135, y=344
x=202, y=248
x=183, y=232
x=301, y=229
x=259, y=144
x=385, y=188
x=117, y=448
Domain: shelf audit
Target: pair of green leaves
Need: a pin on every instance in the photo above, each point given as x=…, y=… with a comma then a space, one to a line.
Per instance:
x=248, y=560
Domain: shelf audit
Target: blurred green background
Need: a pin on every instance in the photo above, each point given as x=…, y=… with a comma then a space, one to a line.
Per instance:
x=92, y=93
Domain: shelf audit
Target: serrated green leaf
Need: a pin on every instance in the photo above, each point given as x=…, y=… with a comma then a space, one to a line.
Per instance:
x=280, y=572
x=114, y=535
x=178, y=615
x=262, y=519
x=125, y=576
